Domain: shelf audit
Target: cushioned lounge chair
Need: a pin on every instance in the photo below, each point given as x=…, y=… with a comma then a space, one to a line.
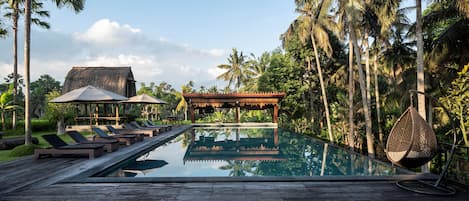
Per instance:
x=135, y=125
x=129, y=129
x=150, y=124
x=109, y=144
x=115, y=131
x=125, y=139
x=59, y=147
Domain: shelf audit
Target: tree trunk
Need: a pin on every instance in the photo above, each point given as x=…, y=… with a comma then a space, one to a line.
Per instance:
x=366, y=108
x=15, y=61
x=61, y=126
x=3, y=120
x=27, y=91
x=351, y=87
x=378, y=104
x=367, y=69
x=420, y=69
x=310, y=89
x=323, y=89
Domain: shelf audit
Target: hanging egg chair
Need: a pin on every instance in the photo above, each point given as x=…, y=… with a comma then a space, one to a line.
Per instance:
x=412, y=141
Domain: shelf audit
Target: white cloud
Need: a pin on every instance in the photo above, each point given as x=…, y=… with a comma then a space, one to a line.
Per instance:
x=109, y=33
x=108, y=43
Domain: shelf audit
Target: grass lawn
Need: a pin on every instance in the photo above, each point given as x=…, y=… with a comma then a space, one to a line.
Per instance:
x=4, y=154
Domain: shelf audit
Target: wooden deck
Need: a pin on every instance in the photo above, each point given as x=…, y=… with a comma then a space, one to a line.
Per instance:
x=27, y=179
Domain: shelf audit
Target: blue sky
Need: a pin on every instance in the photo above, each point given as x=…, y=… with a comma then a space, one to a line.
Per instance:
x=163, y=40
x=172, y=41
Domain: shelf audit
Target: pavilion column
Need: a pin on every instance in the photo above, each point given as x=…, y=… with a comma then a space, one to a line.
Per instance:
x=117, y=115
x=275, y=116
x=192, y=113
x=276, y=137
x=237, y=112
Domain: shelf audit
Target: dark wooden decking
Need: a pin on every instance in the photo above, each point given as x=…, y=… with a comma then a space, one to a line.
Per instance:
x=26, y=179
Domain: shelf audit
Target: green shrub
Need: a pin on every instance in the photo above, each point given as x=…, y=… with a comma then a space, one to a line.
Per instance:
x=22, y=150
x=37, y=125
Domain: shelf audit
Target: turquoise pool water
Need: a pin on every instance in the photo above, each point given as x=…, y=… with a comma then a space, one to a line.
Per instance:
x=245, y=152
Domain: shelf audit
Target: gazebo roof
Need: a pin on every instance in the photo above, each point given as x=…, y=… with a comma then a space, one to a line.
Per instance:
x=262, y=100
x=88, y=94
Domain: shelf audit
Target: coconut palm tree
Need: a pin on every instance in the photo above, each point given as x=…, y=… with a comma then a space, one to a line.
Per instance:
x=235, y=69
x=312, y=25
x=353, y=14
x=15, y=13
x=77, y=6
x=255, y=67
x=182, y=105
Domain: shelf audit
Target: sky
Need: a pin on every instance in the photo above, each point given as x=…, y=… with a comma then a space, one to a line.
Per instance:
x=173, y=41
x=162, y=40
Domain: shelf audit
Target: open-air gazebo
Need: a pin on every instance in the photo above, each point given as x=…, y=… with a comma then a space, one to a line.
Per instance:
x=248, y=101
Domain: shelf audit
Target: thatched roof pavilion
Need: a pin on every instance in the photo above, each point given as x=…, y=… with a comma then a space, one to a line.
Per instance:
x=119, y=80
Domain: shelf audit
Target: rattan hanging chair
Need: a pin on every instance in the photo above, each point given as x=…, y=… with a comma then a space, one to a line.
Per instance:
x=412, y=141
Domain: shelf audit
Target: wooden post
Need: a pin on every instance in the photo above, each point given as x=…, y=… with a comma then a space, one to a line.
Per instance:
x=191, y=109
x=237, y=114
x=275, y=116
x=117, y=115
x=276, y=137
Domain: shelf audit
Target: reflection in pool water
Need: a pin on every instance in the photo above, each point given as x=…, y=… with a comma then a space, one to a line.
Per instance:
x=237, y=152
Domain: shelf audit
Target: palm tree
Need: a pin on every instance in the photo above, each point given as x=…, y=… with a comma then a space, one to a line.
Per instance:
x=420, y=69
x=311, y=25
x=14, y=5
x=255, y=68
x=235, y=70
x=182, y=105
x=77, y=6
x=6, y=104
x=353, y=11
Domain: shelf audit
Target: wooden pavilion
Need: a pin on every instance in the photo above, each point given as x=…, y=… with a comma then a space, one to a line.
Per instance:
x=119, y=80
x=249, y=101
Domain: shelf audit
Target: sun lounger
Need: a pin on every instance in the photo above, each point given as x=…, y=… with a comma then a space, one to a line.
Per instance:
x=109, y=144
x=125, y=139
x=150, y=124
x=115, y=131
x=59, y=147
x=137, y=126
x=133, y=130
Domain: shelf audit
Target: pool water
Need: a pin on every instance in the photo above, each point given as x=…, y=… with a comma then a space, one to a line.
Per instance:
x=245, y=152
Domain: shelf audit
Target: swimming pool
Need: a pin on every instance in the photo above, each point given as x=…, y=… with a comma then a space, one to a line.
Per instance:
x=248, y=152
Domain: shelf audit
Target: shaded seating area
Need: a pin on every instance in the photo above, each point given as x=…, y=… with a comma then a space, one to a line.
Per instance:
x=60, y=147
x=109, y=144
x=127, y=139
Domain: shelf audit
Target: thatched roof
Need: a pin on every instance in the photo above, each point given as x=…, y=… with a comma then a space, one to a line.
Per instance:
x=119, y=80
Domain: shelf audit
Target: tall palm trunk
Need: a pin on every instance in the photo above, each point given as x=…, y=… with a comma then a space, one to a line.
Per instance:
x=15, y=17
x=27, y=98
x=351, y=87
x=323, y=89
x=420, y=69
x=367, y=69
x=366, y=108
x=310, y=91
x=378, y=104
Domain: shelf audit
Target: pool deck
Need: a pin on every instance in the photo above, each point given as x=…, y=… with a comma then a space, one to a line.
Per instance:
x=61, y=179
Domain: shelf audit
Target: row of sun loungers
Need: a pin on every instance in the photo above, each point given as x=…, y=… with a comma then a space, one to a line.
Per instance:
x=101, y=142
